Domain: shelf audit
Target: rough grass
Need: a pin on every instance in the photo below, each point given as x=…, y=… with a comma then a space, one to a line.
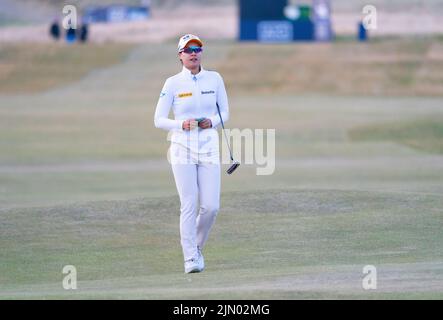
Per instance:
x=397, y=66
x=422, y=134
x=33, y=68
x=409, y=66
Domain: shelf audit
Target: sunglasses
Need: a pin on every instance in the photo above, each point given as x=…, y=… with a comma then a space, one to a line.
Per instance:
x=190, y=50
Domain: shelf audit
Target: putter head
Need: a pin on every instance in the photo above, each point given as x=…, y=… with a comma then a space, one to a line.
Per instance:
x=233, y=167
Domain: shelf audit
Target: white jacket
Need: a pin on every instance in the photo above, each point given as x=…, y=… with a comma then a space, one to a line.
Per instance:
x=191, y=97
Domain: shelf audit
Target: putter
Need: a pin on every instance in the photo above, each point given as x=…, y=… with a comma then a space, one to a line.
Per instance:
x=235, y=164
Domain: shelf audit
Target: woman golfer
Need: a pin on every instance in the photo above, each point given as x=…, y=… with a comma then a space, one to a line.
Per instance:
x=193, y=94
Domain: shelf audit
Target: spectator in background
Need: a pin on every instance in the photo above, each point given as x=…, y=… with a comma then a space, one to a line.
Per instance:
x=54, y=29
x=83, y=32
x=362, y=33
x=70, y=35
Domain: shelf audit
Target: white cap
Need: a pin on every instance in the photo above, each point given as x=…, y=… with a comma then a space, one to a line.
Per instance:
x=187, y=38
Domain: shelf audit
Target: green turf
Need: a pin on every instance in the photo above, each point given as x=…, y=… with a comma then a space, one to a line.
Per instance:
x=422, y=134
x=84, y=181
x=278, y=243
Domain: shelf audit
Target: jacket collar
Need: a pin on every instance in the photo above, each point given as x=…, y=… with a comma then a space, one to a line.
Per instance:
x=188, y=75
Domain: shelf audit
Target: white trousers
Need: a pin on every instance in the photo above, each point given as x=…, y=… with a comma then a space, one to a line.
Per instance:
x=198, y=185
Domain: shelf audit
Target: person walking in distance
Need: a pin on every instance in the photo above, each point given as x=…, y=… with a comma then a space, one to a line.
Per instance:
x=54, y=29
x=193, y=95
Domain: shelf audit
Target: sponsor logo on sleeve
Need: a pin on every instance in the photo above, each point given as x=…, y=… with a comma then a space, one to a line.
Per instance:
x=208, y=92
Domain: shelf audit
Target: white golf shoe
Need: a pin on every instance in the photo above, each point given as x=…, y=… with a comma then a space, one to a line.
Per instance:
x=195, y=265
x=192, y=266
